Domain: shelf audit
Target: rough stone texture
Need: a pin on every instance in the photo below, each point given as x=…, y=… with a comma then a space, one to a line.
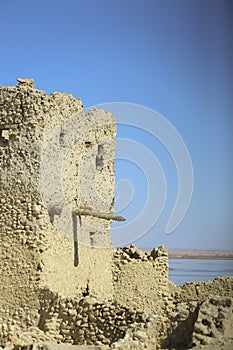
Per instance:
x=63, y=285
x=200, y=291
x=195, y=324
x=141, y=279
x=37, y=229
x=86, y=320
x=215, y=320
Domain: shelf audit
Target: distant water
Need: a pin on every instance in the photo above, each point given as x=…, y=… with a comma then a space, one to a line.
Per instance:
x=196, y=270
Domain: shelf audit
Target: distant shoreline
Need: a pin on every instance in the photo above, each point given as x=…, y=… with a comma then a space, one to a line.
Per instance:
x=204, y=254
x=200, y=256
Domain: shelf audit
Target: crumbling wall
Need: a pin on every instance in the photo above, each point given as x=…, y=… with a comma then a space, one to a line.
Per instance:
x=200, y=291
x=86, y=320
x=141, y=279
x=200, y=323
x=43, y=242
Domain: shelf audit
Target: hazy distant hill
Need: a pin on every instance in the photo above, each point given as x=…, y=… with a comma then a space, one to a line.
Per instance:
x=177, y=253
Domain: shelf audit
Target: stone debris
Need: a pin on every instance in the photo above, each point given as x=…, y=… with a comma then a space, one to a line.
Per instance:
x=29, y=83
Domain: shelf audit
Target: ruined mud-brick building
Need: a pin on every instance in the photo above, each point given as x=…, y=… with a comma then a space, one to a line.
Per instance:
x=61, y=280
x=56, y=197
x=39, y=192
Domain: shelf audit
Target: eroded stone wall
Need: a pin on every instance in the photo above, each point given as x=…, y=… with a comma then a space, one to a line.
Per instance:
x=43, y=242
x=200, y=291
x=141, y=279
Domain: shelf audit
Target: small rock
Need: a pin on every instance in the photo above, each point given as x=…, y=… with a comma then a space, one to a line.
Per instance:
x=140, y=335
x=26, y=82
x=5, y=135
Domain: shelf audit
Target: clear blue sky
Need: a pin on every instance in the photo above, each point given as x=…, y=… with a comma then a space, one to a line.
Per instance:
x=172, y=56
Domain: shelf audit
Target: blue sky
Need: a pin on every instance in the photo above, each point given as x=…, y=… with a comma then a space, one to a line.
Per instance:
x=172, y=56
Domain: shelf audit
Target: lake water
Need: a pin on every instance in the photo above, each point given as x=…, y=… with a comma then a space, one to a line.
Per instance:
x=196, y=270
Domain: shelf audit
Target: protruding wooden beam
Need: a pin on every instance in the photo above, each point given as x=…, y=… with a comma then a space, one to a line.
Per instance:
x=98, y=214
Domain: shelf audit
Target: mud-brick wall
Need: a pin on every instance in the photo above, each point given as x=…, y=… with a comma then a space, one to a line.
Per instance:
x=141, y=279
x=46, y=171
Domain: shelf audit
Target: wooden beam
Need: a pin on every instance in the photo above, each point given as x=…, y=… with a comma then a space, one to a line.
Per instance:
x=98, y=214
